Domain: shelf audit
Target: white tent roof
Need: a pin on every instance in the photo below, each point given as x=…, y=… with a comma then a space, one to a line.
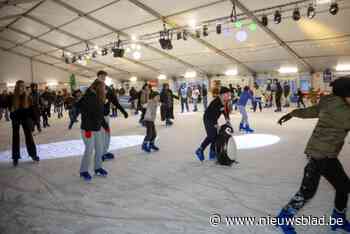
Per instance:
x=42, y=29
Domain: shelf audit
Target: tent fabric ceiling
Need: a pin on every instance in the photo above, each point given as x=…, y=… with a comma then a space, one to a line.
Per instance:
x=54, y=25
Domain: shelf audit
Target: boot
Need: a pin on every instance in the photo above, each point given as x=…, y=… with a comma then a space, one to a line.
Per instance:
x=36, y=159
x=241, y=127
x=146, y=147
x=212, y=155
x=15, y=162
x=200, y=154
x=107, y=156
x=283, y=218
x=101, y=172
x=153, y=147
x=248, y=129
x=345, y=226
x=86, y=176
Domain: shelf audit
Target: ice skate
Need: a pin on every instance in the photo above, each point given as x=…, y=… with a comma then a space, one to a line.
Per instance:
x=200, y=154
x=101, y=172
x=283, y=218
x=345, y=226
x=86, y=176
x=145, y=147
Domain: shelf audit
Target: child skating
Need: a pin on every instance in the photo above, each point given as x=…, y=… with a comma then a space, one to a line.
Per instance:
x=150, y=117
x=323, y=148
x=242, y=103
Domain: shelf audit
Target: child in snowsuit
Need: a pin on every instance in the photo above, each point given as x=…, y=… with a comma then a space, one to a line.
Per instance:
x=323, y=148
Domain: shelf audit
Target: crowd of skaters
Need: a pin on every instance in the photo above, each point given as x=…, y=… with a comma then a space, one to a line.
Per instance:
x=26, y=105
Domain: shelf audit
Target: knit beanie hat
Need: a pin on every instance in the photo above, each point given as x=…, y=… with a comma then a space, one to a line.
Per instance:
x=224, y=90
x=341, y=87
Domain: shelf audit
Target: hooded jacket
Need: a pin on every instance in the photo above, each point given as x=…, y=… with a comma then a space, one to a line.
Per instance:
x=333, y=125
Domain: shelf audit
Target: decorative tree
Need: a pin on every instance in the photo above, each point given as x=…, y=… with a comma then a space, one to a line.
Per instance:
x=72, y=82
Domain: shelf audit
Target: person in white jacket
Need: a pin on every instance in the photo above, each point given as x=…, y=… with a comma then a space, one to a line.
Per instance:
x=195, y=96
x=149, y=119
x=258, y=96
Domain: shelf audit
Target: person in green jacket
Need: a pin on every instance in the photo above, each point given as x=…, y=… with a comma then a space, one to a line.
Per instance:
x=323, y=148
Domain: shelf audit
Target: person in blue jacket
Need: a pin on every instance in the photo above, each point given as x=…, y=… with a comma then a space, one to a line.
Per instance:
x=242, y=102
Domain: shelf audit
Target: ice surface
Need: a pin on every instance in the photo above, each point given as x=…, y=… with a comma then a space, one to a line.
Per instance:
x=164, y=192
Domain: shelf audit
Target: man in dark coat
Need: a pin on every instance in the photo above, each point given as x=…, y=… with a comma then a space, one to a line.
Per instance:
x=167, y=105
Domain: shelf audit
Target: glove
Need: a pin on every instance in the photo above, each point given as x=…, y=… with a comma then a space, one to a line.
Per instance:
x=126, y=115
x=108, y=130
x=284, y=118
x=88, y=134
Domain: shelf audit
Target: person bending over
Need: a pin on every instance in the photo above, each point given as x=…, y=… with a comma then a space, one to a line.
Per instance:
x=219, y=106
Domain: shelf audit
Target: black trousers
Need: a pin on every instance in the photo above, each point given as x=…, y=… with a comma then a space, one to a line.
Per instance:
x=300, y=101
x=212, y=134
x=278, y=102
x=36, y=119
x=45, y=114
x=26, y=126
x=257, y=103
x=333, y=171
x=151, y=132
x=143, y=112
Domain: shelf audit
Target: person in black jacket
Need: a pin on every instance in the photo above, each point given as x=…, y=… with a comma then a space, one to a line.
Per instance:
x=4, y=105
x=300, y=96
x=220, y=105
x=36, y=106
x=278, y=96
x=286, y=93
x=111, y=98
x=59, y=102
x=45, y=101
x=167, y=105
x=92, y=110
x=205, y=96
x=21, y=113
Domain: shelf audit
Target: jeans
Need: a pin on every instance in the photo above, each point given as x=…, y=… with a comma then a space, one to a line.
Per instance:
x=333, y=172
x=244, y=114
x=106, y=138
x=59, y=110
x=26, y=126
x=151, y=132
x=184, y=103
x=92, y=143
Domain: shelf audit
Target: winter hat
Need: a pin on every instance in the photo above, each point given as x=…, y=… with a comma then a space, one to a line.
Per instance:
x=341, y=87
x=153, y=94
x=224, y=90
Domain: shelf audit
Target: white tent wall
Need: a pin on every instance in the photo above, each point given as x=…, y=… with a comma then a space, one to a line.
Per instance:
x=14, y=67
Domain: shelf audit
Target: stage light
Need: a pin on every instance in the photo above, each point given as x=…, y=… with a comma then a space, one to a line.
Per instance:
x=296, y=14
x=205, y=31
x=162, y=77
x=343, y=67
x=104, y=51
x=252, y=27
x=184, y=35
x=118, y=52
x=231, y=72
x=334, y=9
x=288, y=70
x=265, y=21
x=190, y=74
x=198, y=33
x=133, y=79
x=241, y=36
x=311, y=12
x=277, y=17
x=218, y=28
x=238, y=24
x=136, y=55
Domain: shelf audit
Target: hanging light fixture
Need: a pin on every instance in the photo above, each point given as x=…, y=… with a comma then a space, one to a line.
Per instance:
x=179, y=35
x=296, y=14
x=265, y=20
x=311, y=12
x=334, y=9
x=104, y=51
x=162, y=77
x=218, y=29
x=205, y=31
x=278, y=17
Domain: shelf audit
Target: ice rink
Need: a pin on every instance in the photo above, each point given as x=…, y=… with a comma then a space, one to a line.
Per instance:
x=164, y=192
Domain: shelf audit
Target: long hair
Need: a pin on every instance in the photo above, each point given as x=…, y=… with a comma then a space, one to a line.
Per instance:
x=100, y=90
x=20, y=100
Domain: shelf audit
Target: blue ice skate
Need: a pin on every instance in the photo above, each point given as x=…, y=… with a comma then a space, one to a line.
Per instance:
x=86, y=176
x=345, y=226
x=101, y=172
x=200, y=154
x=283, y=219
